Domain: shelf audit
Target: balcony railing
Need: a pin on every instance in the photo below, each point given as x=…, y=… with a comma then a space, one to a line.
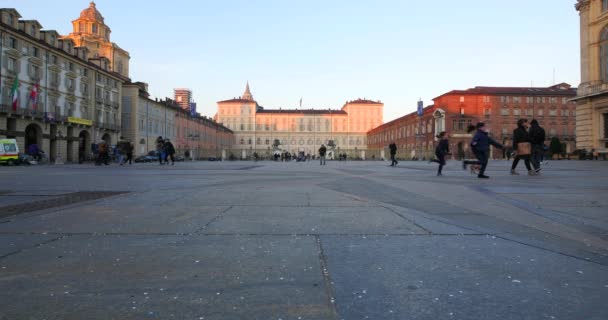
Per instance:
x=591, y=88
x=28, y=112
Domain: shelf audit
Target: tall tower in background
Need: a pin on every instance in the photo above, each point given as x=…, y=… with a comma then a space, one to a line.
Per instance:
x=183, y=97
x=90, y=31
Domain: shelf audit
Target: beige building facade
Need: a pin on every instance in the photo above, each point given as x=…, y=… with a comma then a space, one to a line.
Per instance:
x=144, y=119
x=90, y=31
x=592, y=94
x=267, y=131
x=63, y=102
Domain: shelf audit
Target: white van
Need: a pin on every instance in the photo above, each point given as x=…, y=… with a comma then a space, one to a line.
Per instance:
x=9, y=151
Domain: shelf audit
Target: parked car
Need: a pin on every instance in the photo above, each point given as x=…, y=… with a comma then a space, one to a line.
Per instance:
x=180, y=158
x=582, y=154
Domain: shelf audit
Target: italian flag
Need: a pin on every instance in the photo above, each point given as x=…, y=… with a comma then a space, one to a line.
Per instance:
x=34, y=95
x=14, y=93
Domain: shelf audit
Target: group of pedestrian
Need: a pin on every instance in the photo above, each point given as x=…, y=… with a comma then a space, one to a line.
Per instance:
x=165, y=150
x=103, y=153
x=528, y=145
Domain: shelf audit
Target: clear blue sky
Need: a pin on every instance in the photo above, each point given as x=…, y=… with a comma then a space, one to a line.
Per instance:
x=331, y=51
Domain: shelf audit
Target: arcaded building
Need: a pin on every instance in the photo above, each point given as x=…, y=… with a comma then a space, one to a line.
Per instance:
x=266, y=131
x=53, y=95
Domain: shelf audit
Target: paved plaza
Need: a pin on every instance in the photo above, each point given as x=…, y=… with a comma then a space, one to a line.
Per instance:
x=265, y=240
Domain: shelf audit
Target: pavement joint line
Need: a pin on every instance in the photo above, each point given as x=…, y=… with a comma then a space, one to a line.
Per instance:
x=553, y=251
x=215, y=219
x=328, y=284
x=407, y=219
x=31, y=247
x=95, y=234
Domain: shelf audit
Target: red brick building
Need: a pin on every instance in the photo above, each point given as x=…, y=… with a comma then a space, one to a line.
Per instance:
x=499, y=107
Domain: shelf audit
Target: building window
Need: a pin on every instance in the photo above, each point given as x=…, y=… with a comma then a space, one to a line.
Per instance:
x=35, y=52
x=552, y=113
x=564, y=100
x=530, y=100
x=516, y=99
x=604, y=5
x=504, y=111
x=461, y=125
x=553, y=99
x=486, y=99
x=12, y=64
x=540, y=112
x=504, y=99
x=95, y=28
x=12, y=43
x=529, y=112
x=80, y=27
x=517, y=112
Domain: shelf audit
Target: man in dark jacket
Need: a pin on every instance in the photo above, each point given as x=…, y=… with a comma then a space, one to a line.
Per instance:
x=537, y=138
x=481, y=148
x=393, y=149
x=520, y=135
x=170, y=151
x=322, y=152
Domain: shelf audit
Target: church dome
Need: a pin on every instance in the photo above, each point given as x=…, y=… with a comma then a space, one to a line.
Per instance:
x=91, y=13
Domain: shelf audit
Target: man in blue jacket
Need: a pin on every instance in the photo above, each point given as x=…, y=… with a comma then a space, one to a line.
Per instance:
x=481, y=148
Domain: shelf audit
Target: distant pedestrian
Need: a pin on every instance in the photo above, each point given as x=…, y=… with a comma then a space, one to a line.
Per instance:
x=393, y=149
x=103, y=156
x=322, y=152
x=160, y=146
x=129, y=152
x=537, y=138
x=169, y=150
x=480, y=146
x=522, y=147
x=442, y=150
x=121, y=149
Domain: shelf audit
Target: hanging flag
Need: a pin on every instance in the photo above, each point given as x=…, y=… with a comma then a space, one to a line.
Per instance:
x=34, y=95
x=300, y=102
x=14, y=93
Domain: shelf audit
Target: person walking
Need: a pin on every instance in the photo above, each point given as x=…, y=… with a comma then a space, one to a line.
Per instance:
x=480, y=146
x=160, y=146
x=522, y=147
x=322, y=152
x=129, y=152
x=537, y=138
x=169, y=150
x=443, y=149
x=102, y=156
x=121, y=148
x=393, y=149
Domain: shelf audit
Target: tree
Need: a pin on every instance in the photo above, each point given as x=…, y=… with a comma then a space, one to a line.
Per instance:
x=556, y=146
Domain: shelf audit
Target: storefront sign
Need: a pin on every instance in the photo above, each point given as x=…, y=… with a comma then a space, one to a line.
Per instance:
x=80, y=121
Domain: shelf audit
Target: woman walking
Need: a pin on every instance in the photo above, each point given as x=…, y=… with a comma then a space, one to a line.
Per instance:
x=481, y=148
x=522, y=146
x=443, y=149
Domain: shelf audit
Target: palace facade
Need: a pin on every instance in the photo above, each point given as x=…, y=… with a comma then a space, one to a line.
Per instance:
x=592, y=95
x=267, y=131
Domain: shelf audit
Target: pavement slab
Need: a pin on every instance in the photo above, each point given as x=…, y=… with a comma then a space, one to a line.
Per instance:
x=162, y=277
x=485, y=278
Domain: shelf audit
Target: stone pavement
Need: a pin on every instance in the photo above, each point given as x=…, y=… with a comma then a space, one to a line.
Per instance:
x=355, y=240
